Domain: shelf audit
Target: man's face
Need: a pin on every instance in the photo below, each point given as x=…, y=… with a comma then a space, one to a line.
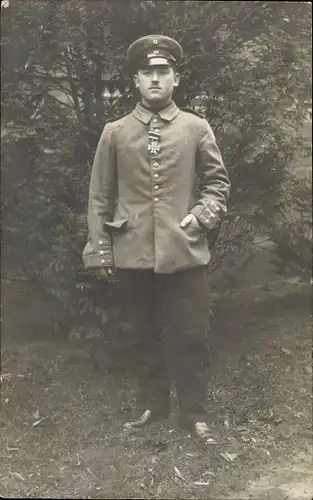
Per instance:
x=156, y=83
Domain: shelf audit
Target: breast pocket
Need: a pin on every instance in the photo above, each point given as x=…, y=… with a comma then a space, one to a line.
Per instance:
x=178, y=147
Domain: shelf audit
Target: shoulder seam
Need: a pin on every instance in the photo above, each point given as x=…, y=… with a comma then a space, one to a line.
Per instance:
x=115, y=119
x=192, y=111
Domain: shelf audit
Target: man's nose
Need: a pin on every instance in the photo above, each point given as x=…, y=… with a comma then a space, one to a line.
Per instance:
x=155, y=76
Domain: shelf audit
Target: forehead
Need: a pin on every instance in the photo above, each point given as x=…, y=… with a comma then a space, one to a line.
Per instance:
x=157, y=67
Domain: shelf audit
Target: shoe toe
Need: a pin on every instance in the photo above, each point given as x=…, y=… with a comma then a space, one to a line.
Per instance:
x=143, y=420
x=202, y=430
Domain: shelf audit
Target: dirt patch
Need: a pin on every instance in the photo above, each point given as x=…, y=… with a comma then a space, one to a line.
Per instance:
x=63, y=415
x=292, y=481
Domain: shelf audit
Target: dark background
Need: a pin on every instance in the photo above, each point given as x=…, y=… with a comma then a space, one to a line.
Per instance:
x=247, y=68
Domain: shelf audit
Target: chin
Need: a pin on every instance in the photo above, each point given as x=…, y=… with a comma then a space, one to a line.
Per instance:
x=156, y=99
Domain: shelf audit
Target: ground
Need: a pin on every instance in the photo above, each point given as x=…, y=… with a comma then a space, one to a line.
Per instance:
x=64, y=405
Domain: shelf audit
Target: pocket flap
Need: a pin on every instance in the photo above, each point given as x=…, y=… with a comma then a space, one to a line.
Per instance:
x=116, y=224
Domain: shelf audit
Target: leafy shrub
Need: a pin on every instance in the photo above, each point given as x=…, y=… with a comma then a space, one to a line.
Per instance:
x=62, y=60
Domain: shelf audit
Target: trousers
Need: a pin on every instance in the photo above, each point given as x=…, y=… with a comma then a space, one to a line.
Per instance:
x=168, y=319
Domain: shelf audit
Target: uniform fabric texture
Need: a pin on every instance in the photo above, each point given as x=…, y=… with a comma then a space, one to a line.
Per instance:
x=168, y=321
x=150, y=170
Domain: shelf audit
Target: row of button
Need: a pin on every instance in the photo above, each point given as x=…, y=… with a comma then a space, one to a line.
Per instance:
x=102, y=252
x=156, y=164
x=156, y=176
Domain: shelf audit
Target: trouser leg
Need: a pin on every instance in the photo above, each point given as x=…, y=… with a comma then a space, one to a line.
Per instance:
x=138, y=301
x=186, y=324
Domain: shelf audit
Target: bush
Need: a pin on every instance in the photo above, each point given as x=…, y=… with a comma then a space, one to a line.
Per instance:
x=61, y=60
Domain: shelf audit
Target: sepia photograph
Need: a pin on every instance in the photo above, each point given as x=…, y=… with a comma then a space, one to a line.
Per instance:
x=156, y=249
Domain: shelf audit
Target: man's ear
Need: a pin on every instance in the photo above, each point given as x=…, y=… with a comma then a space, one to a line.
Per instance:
x=176, y=79
x=135, y=79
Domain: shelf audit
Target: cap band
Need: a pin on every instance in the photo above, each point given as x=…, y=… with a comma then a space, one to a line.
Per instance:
x=158, y=61
x=154, y=50
x=161, y=53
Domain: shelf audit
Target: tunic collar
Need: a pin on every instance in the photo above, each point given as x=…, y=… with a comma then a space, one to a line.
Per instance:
x=144, y=115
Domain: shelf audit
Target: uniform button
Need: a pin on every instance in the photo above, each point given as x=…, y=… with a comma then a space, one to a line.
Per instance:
x=157, y=130
x=102, y=261
x=101, y=242
x=156, y=176
x=156, y=164
x=101, y=252
x=156, y=186
x=156, y=199
x=155, y=120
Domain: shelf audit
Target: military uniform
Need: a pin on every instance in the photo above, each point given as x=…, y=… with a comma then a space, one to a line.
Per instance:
x=143, y=183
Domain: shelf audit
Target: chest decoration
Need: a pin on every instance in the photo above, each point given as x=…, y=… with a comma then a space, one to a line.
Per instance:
x=154, y=142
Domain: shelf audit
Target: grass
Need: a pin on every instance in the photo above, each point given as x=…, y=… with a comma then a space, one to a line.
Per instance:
x=64, y=405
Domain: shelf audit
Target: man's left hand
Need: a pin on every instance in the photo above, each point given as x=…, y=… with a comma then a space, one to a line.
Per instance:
x=190, y=219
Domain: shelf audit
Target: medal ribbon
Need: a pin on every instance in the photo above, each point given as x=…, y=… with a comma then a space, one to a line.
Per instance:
x=154, y=142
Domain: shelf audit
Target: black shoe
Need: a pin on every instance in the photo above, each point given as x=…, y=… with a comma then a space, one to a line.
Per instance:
x=148, y=417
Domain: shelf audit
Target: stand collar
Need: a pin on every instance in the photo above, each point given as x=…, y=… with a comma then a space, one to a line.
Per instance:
x=144, y=115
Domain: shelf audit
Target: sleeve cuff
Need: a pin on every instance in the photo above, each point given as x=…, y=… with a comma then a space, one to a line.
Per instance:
x=97, y=259
x=209, y=216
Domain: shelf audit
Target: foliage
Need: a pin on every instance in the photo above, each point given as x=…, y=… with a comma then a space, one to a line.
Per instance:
x=61, y=60
x=292, y=228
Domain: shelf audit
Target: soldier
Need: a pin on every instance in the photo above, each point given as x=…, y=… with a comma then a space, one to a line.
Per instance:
x=148, y=226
